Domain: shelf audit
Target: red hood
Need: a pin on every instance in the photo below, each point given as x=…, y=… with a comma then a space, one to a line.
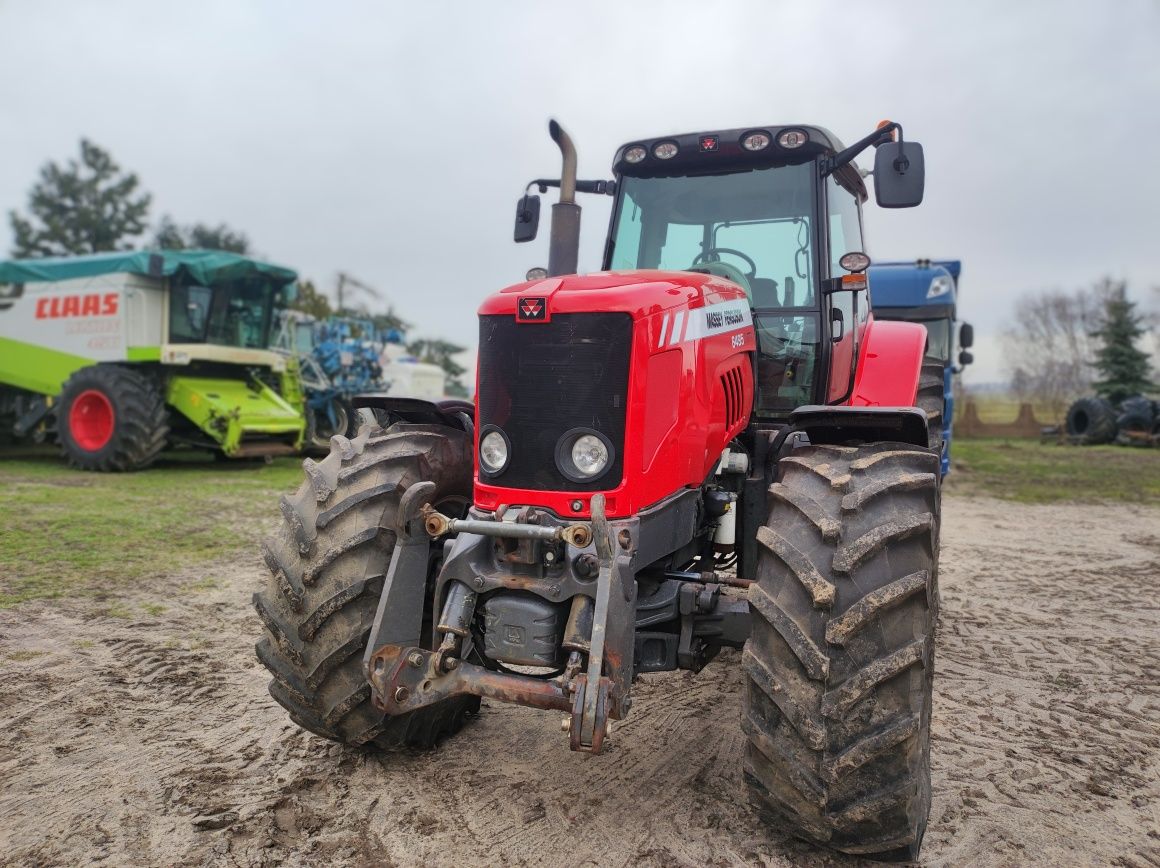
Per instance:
x=639, y=293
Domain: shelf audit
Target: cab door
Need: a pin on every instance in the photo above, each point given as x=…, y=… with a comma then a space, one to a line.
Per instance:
x=848, y=311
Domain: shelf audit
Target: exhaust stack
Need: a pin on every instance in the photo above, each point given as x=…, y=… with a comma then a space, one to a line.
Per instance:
x=564, y=244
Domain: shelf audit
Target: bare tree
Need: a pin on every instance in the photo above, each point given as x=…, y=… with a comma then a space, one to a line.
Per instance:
x=1050, y=345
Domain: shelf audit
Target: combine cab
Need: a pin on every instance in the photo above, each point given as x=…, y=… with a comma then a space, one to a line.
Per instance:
x=125, y=354
x=710, y=444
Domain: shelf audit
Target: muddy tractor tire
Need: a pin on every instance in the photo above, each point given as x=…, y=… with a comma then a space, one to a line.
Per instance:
x=839, y=665
x=931, y=387
x=1093, y=419
x=111, y=419
x=326, y=567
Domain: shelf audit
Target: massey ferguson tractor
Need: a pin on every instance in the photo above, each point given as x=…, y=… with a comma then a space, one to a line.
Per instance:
x=709, y=444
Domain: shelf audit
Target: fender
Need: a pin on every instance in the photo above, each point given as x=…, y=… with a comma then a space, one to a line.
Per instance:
x=453, y=412
x=889, y=364
x=842, y=425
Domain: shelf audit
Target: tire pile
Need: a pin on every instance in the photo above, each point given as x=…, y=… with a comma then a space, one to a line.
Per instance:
x=1092, y=421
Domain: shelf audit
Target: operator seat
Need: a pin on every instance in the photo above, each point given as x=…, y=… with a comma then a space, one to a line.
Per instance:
x=765, y=292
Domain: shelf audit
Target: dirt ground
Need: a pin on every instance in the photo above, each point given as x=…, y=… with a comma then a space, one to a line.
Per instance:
x=154, y=741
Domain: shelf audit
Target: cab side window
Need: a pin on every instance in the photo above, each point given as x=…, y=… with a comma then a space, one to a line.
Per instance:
x=845, y=237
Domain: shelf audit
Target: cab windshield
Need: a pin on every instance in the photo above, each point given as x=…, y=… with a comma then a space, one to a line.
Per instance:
x=754, y=228
x=230, y=315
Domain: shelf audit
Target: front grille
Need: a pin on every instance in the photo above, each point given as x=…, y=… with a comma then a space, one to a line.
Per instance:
x=539, y=380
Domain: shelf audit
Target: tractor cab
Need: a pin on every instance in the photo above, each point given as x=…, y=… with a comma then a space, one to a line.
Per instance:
x=774, y=210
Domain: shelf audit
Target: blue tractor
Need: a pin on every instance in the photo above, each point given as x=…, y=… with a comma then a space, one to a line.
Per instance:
x=926, y=291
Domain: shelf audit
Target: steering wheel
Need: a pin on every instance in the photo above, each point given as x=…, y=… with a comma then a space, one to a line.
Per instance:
x=704, y=255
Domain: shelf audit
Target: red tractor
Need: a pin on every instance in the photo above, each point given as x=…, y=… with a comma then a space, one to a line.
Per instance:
x=710, y=444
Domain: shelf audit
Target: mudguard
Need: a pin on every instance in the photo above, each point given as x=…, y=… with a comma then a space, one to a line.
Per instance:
x=451, y=412
x=841, y=425
x=889, y=364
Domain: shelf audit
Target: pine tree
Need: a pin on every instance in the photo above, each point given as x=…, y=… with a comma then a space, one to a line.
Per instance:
x=1123, y=367
x=88, y=206
x=199, y=236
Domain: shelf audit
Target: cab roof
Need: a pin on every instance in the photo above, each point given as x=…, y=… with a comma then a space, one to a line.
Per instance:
x=205, y=267
x=721, y=150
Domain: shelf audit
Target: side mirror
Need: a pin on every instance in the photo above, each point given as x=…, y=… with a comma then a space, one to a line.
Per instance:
x=966, y=335
x=527, y=218
x=899, y=174
x=838, y=327
x=965, y=358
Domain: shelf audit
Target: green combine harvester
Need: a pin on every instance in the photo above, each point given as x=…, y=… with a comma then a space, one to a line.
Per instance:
x=125, y=354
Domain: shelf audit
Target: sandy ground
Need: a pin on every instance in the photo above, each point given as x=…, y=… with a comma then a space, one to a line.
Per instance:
x=154, y=741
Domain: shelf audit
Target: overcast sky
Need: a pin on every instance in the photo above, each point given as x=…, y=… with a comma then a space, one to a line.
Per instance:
x=391, y=140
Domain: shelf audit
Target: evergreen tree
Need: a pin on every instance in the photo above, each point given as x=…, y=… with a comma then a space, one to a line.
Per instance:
x=86, y=206
x=1123, y=367
x=170, y=236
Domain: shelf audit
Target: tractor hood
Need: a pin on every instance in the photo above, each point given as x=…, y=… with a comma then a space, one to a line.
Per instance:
x=639, y=293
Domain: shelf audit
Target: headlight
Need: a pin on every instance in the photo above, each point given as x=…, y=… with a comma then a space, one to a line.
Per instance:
x=494, y=451
x=584, y=455
x=589, y=455
x=940, y=286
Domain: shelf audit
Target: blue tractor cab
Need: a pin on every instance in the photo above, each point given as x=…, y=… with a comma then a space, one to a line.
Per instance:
x=926, y=291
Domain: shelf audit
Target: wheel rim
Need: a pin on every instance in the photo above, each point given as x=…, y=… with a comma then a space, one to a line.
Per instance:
x=91, y=420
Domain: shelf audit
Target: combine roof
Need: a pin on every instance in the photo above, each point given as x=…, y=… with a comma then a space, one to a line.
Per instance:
x=205, y=267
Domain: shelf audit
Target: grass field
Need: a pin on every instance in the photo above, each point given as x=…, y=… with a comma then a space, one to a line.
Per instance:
x=1001, y=409
x=65, y=531
x=1031, y=472
x=68, y=532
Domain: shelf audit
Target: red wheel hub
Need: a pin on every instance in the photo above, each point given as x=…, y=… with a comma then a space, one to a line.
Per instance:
x=90, y=420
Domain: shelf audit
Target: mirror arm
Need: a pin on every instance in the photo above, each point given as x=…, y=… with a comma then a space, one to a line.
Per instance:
x=606, y=188
x=843, y=157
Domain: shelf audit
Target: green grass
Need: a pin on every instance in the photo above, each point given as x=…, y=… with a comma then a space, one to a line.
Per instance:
x=1031, y=472
x=66, y=532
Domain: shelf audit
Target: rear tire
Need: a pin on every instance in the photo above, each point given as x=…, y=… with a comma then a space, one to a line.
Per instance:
x=111, y=419
x=326, y=568
x=839, y=665
x=932, y=398
x=1093, y=419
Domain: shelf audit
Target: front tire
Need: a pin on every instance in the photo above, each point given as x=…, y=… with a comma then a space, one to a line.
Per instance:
x=111, y=419
x=326, y=568
x=839, y=664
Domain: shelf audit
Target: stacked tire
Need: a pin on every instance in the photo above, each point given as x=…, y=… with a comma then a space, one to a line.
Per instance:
x=1092, y=420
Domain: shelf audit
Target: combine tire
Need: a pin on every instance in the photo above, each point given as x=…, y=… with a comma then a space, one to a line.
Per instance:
x=326, y=567
x=932, y=399
x=1092, y=419
x=111, y=418
x=839, y=664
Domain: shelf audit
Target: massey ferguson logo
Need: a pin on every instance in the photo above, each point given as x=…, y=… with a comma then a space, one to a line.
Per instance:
x=59, y=306
x=531, y=309
x=716, y=319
